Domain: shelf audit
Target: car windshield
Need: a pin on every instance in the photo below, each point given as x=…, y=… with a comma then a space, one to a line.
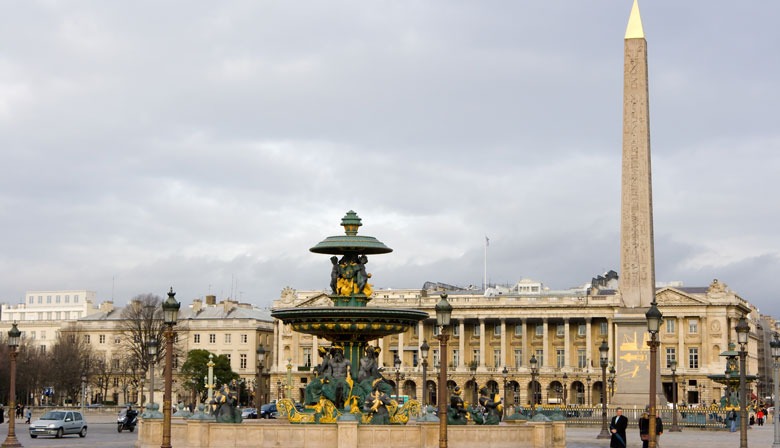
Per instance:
x=53, y=415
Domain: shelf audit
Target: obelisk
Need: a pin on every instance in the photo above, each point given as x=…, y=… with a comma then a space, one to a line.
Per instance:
x=637, y=261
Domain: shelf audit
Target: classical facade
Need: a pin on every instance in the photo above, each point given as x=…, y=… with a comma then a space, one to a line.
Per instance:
x=226, y=328
x=505, y=327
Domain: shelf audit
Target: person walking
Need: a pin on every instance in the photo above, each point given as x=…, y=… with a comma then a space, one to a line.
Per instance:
x=27, y=415
x=760, y=417
x=644, y=428
x=731, y=419
x=617, y=427
x=2, y=414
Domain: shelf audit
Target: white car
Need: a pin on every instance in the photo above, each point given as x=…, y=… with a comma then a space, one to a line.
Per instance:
x=59, y=423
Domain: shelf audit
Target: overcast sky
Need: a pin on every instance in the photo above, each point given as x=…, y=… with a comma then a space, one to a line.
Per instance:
x=199, y=144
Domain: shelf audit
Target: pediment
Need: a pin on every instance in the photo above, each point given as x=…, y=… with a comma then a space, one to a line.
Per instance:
x=671, y=296
x=318, y=300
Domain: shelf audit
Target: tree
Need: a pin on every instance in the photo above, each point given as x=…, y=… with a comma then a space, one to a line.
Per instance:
x=101, y=376
x=141, y=321
x=195, y=368
x=70, y=357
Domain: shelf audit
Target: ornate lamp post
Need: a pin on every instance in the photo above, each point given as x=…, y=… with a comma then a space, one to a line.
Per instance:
x=473, y=368
x=565, y=387
x=505, y=374
x=654, y=318
x=397, y=364
x=743, y=329
x=443, y=314
x=673, y=367
x=775, y=344
x=611, y=381
x=424, y=348
x=13, y=342
x=260, y=383
x=151, y=350
x=170, y=316
x=534, y=374
x=83, y=391
x=587, y=380
x=278, y=389
x=604, y=358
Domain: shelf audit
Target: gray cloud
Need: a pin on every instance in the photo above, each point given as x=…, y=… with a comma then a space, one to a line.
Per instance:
x=207, y=142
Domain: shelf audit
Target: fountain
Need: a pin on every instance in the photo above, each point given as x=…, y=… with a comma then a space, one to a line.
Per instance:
x=348, y=380
x=730, y=378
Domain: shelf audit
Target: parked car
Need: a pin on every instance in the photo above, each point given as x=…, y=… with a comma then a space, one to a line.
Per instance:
x=59, y=423
x=248, y=413
x=270, y=411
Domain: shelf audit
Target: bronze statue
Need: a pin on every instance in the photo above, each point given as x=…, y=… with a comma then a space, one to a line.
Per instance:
x=227, y=400
x=456, y=412
x=491, y=406
x=376, y=405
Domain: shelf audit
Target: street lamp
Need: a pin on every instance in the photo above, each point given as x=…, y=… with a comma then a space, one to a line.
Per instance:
x=743, y=329
x=13, y=342
x=534, y=373
x=424, y=348
x=443, y=314
x=604, y=358
x=673, y=367
x=505, y=374
x=565, y=385
x=473, y=368
x=587, y=379
x=170, y=316
x=260, y=382
x=278, y=389
x=151, y=350
x=611, y=381
x=654, y=318
x=775, y=344
x=397, y=363
x=83, y=389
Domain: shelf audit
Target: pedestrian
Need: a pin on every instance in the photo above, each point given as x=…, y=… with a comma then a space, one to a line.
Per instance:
x=18, y=411
x=617, y=427
x=2, y=411
x=760, y=417
x=731, y=419
x=27, y=415
x=644, y=428
x=752, y=419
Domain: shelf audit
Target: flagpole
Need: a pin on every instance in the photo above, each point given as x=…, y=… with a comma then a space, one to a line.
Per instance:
x=485, y=280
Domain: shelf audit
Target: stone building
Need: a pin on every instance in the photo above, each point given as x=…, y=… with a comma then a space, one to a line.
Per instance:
x=505, y=326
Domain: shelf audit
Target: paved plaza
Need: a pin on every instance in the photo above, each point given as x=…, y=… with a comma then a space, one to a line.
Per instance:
x=758, y=437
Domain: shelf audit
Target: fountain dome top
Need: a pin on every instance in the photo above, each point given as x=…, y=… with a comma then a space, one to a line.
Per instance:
x=350, y=242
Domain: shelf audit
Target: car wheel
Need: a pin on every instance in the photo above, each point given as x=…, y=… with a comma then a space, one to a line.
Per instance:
x=119, y=428
x=132, y=428
x=83, y=432
x=60, y=433
x=33, y=436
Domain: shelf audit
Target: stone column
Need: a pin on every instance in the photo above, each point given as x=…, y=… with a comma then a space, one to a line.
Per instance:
x=566, y=342
x=462, y=344
x=420, y=337
x=704, y=356
x=482, y=342
x=382, y=353
x=588, y=344
x=524, y=335
x=503, y=344
x=611, y=338
x=315, y=353
x=275, y=354
x=681, y=365
x=400, y=350
x=279, y=349
x=545, y=344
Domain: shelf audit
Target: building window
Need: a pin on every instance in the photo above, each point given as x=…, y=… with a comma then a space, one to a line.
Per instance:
x=227, y=355
x=496, y=358
x=117, y=340
x=32, y=300
x=540, y=357
x=560, y=357
x=227, y=338
x=244, y=338
x=693, y=357
x=43, y=349
x=455, y=330
x=307, y=356
x=559, y=330
x=86, y=338
x=32, y=335
x=242, y=361
x=581, y=329
x=436, y=330
x=58, y=299
x=67, y=298
x=671, y=354
x=497, y=330
x=67, y=315
x=43, y=334
x=518, y=358
x=116, y=382
x=693, y=326
x=48, y=299
x=603, y=329
x=519, y=330
x=670, y=326
x=436, y=358
x=48, y=315
x=58, y=315
x=115, y=363
x=196, y=338
x=582, y=360
x=40, y=316
x=76, y=299
x=212, y=338
x=539, y=329
x=476, y=330
x=455, y=357
x=475, y=356
x=102, y=339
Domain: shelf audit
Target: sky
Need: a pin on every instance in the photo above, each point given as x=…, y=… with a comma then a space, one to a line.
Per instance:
x=208, y=145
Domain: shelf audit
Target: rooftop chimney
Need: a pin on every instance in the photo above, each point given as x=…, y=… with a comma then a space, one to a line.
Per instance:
x=211, y=300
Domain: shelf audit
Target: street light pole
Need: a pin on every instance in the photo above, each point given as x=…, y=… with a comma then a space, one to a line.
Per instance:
x=654, y=318
x=170, y=316
x=505, y=374
x=604, y=357
x=260, y=383
x=742, y=328
x=775, y=344
x=534, y=373
x=397, y=363
x=13, y=342
x=673, y=366
x=443, y=314
x=83, y=391
x=588, y=381
x=565, y=387
x=151, y=348
x=424, y=348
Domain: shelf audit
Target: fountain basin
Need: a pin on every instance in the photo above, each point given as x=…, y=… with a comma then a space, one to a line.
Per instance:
x=349, y=323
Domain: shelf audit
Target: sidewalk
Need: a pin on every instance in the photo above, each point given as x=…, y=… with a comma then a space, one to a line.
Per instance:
x=758, y=436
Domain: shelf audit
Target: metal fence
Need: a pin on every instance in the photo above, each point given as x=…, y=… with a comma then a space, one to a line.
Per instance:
x=591, y=415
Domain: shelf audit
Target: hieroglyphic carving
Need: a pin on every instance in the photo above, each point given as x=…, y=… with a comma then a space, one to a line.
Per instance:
x=637, y=276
